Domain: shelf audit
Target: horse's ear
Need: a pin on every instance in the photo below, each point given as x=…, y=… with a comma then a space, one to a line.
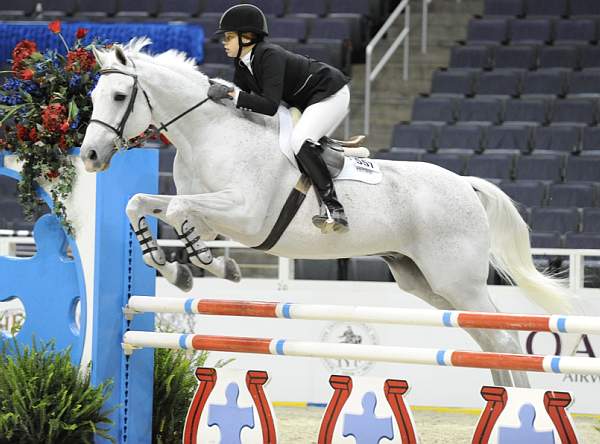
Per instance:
x=99, y=55
x=121, y=58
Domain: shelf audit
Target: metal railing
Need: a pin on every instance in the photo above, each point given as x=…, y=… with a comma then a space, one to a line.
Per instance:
x=372, y=73
x=425, y=25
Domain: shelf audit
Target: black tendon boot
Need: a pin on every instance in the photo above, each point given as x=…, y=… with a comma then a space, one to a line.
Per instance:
x=331, y=215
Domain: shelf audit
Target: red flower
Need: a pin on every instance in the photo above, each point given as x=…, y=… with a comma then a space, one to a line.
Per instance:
x=164, y=139
x=62, y=143
x=80, y=60
x=26, y=74
x=22, y=132
x=53, y=116
x=52, y=174
x=33, y=136
x=81, y=33
x=54, y=26
x=64, y=127
x=22, y=50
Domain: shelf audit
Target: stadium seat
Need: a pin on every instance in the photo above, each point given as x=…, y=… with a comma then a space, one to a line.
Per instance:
x=525, y=111
x=316, y=269
x=564, y=56
x=584, y=84
x=137, y=9
x=166, y=157
x=544, y=83
x=470, y=57
x=546, y=239
x=480, y=109
x=575, y=31
x=221, y=70
x=563, y=139
x=307, y=8
x=590, y=220
x=546, y=8
x=460, y=139
x=399, y=154
x=57, y=8
x=287, y=29
x=527, y=193
x=491, y=166
x=508, y=8
x=269, y=7
x=510, y=138
x=369, y=268
x=95, y=10
x=433, y=109
x=452, y=162
x=590, y=57
x=209, y=25
x=583, y=169
x=179, y=9
x=540, y=167
x=554, y=219
x=166, y=185
x=214, y=53
x=491, y=31
x=215, y=8
x=530, y=31
x=582, y=241
x=419, y=136
x=8, y=187
x=574, y=112
x=522, y=57
x=571, y=195
x=584, y=8
x=590, y=140
x=503, y=84
x=11, y=10
x=452, y=83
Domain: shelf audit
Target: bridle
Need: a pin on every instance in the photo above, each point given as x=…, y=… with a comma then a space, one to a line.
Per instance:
x=119, y=141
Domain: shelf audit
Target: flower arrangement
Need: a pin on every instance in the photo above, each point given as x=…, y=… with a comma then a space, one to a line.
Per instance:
x=45, y=107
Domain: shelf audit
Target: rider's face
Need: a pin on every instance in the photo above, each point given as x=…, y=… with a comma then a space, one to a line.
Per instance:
x=231, y=44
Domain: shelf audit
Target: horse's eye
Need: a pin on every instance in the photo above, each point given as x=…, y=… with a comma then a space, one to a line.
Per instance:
x=120, y=97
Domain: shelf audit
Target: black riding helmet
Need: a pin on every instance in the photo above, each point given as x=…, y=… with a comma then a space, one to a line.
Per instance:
x=244, y=18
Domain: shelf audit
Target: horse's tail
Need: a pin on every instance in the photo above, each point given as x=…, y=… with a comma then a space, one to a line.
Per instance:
x=510, y=252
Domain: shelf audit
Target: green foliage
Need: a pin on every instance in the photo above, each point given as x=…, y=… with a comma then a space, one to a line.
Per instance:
x=44, y=398
x=174, y=387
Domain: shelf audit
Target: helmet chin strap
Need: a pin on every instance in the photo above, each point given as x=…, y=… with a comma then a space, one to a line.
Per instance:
x=242, y=45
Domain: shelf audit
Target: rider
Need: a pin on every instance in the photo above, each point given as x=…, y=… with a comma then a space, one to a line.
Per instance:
x=265, y=75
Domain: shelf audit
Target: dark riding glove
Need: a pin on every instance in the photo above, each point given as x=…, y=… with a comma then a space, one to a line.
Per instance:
x=219, y=91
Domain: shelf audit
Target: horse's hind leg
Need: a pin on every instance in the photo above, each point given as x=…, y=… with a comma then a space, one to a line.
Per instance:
x=140, y=206
x=412, y=280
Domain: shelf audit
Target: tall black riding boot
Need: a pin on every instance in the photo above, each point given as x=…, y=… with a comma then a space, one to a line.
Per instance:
x=331, y=215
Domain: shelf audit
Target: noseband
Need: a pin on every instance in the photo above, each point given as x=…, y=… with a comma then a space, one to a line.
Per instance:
x=119, y=141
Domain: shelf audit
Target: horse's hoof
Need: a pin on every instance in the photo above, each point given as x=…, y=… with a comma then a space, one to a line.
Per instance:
x=232, y=270
x=184, y=279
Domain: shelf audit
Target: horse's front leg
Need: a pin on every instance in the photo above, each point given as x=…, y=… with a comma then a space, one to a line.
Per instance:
x=140, y=206
x=184, y=213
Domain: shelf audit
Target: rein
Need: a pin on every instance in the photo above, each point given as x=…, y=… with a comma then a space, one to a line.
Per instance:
x=119, y=141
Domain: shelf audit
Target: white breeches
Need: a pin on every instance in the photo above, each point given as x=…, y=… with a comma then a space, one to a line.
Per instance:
x=321, y=118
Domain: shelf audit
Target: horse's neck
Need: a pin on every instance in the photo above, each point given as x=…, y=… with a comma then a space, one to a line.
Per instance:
x=213, y=136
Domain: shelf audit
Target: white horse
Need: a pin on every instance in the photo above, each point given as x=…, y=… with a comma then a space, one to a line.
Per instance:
x=436, y=230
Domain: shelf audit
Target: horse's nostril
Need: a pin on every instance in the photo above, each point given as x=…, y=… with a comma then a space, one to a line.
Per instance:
x=92, y=155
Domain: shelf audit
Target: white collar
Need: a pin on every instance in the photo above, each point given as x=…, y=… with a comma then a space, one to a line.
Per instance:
x=247, y=59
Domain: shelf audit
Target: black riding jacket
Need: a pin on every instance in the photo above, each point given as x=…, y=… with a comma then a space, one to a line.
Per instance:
x=281, y=75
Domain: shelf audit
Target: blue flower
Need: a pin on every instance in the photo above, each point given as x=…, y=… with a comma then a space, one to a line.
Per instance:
x=30, y=87
x=12, y=84
x=40, y=67
x=75, y=123
x=75, y=81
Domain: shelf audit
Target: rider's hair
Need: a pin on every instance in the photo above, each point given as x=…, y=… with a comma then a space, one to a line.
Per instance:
x=250, y=36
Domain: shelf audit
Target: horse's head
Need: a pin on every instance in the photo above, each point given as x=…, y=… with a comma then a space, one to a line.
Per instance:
x=121, y=109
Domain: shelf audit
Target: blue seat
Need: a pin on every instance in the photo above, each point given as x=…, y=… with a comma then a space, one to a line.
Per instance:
x=369, y=268
x=546, y=8
x=480, y=109
x=528, y=193
x=584, y=84
x=8, y=187
x=433, y=109
x=452, y=83
x=452, y=162
x=316, y=269
x=11, y=10
x=590, y=57
x=214, y=53
x=470, y=57
x=420, y=136
x=530, y=31
x=95, y=10
x=400, y=154
x=554, y=219
x=487, y=31
x=571, y=195
x=584, y=8
x=526, y=111
x=499, y=83
x=179, y=9
x=575, y=31
x=583, y=241
x=460, y=139
x=583, y=169
x=574, y=111
x=544, y=83
x=491, y=166
x=287, y=29
x=591, y=220
x=215, y=8
x=563, y=139
x=220, y=70
x=310, y=8
x=545, y=167
x=166, y=185
x=137, y=9
x=166, y=157
x=590, y=140
x=269, y=7
x=509, y=8
x=510, y=138
x=57, y=8
x=522, y=57
x=564, y=56
x=546, y=239
x=331, y=29
x=209, y=25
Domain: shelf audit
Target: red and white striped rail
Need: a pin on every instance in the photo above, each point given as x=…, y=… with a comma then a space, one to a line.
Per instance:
x=384, y=315
x=407, y=355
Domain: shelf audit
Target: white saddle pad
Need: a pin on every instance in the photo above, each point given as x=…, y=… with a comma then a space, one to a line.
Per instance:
x=362, y=170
